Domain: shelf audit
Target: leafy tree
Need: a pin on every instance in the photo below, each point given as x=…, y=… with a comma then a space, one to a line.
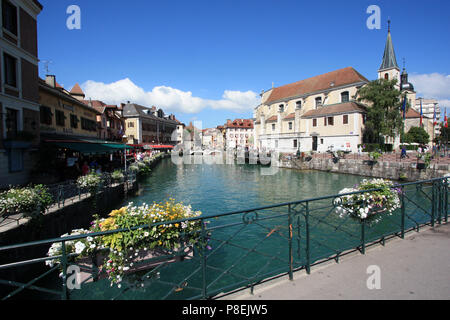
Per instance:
x=443, y=136
x=384, y=115
x=416, y=135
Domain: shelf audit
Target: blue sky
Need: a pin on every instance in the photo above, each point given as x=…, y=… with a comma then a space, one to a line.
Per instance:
x=209, y=60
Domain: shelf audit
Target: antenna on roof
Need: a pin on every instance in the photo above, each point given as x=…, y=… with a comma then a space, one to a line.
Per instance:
x=46, y=63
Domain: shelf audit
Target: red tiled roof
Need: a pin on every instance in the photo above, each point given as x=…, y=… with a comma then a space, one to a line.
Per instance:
x=290, y=117
x=272, y=119
x=240, y=123
x=413, y=114
x=318, y=83
x=77, y=89
x=347, y=107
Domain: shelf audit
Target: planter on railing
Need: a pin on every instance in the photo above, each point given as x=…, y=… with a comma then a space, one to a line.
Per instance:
x=92, y=267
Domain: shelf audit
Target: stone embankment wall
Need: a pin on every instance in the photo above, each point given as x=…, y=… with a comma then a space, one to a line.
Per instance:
x=386, y=170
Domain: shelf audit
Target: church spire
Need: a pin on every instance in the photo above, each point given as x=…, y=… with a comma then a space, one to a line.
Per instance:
x=389, y=59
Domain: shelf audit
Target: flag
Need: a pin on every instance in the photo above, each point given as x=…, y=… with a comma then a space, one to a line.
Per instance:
x=421, y=113
x=445, y=119
x=404, y=108
x=434, y=116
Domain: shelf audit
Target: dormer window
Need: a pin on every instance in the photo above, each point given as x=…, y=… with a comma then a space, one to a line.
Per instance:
x=345, y=96
x=318, y=102
x=281, y=108
x=299, y=105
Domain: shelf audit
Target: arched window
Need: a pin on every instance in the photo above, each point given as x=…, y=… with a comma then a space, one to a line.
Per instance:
x=386, y=76
x=345, y=96
x=299, y=105
x=281, y=107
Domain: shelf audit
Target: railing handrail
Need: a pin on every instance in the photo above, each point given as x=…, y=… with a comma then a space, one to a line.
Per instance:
x=104, y=233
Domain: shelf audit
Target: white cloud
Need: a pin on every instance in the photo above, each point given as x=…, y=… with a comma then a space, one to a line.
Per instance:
x=433, y=85
x=167, y=98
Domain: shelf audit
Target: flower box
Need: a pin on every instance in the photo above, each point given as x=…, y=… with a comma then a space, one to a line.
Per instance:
x=159, y=257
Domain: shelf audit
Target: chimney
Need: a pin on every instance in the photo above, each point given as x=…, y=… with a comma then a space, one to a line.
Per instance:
x=51, y=80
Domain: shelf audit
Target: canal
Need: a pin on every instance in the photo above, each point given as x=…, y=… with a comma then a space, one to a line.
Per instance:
x=239, y=252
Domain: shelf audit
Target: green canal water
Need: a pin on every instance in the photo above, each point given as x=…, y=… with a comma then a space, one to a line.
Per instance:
x=243, y=253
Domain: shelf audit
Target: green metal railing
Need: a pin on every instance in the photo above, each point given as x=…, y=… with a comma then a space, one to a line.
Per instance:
x=240, y=249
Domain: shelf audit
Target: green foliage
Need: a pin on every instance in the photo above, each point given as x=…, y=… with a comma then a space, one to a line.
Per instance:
x=416, y=135
x=384, y=116
x=117, y=175
x=375, y=155
x=25, y=200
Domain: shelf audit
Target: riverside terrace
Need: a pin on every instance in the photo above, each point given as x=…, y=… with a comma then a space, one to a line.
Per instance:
x=243, y=248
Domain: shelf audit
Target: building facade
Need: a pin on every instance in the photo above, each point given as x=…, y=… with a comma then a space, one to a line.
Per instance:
x=62, y=116
x=19, y=93
x=429, y=107
x=148, y=125
x=291, y=117
x=239, y=133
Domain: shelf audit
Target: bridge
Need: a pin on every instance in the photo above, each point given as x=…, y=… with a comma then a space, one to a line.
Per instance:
x=243, y=250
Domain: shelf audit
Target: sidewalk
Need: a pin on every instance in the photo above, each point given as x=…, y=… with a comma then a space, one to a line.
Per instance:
x=415, y=268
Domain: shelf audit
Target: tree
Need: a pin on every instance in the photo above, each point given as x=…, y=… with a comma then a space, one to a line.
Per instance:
x=416, y=135
x=443, y=136
x=384, y=115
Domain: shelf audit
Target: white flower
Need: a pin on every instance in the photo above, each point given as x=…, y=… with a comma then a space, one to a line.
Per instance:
x=79, y=247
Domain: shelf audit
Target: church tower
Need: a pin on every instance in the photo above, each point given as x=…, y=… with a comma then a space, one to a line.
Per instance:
x=389, y=68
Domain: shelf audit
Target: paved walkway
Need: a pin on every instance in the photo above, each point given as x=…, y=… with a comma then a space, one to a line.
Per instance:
x=415, y=268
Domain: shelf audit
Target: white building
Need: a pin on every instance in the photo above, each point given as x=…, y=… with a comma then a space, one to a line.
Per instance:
x=428, y=108
x=239, y=133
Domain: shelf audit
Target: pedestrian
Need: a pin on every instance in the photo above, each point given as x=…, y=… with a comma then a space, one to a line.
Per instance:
x=85, y=169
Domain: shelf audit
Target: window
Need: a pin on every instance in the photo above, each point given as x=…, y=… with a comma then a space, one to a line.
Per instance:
x=281, y=107
x=60, y=118
x=299, y=105
x=46, y=115
x=345, y=96
x=330, y=121
x=15, y=160
x=295, y=143
x=273, y=127
x=73, y=121
x=314, y=122
x=386, y=76
x=10, y=67
x=130, y=124
x=290, y=125
x=9, y=17
x=88, y=125
x=318, y=102
x=325, y=121
x=321, y=141
x=345, y=119
x=12, y=125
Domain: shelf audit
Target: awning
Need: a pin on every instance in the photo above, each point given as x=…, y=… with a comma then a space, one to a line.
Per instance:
x=89, y=148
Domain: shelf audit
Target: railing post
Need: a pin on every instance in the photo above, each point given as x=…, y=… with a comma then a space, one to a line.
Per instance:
x=203, y=250
x=403, y=213
x=440, y=190
x=308, y=247
x=433, y=203
x=446, y=199
x=363, y=236
x=64, y=271
x=291, y=275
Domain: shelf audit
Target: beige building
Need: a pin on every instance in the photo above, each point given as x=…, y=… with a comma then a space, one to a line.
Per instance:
x=148, y=125
x=322, y=112
x=429, y=106
x=63, y=116
x=285, y=119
